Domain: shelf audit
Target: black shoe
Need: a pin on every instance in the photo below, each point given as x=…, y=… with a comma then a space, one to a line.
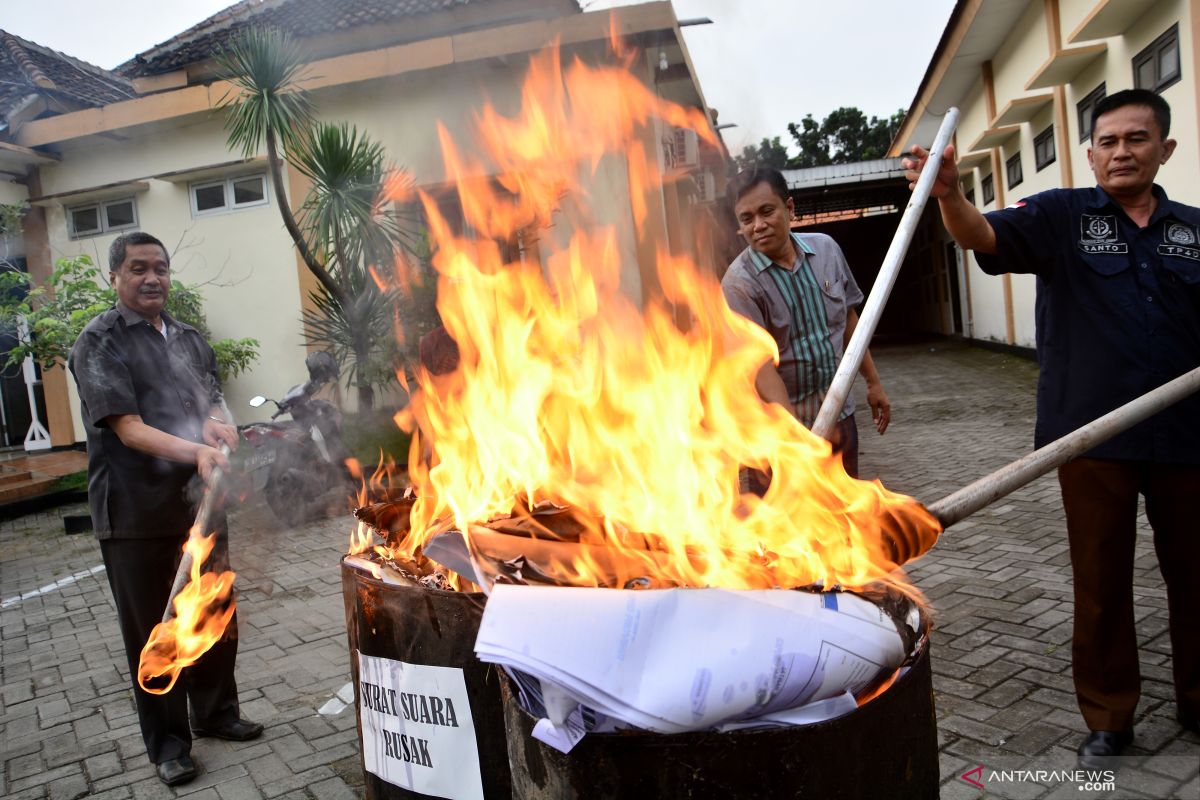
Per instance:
x=176, y=770
x=1189, y=722
x=239, y=730
x=1100, y=746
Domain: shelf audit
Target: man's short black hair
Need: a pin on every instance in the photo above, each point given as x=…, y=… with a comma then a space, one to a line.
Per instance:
x=116, y=250
x=747, y=179
x=1135, y=97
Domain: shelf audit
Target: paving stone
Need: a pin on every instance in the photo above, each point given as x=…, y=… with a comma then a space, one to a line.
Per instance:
x=68, y=787
x=999, y=582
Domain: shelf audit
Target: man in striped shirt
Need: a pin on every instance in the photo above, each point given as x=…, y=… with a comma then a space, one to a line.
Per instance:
x=799, y=289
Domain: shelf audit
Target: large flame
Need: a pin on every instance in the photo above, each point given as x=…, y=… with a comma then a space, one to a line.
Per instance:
x=202, y=611
x=568, y=392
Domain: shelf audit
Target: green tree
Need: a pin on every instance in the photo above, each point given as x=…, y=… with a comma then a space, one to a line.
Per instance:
x=54, y=322
x=843, y=137
x=345, y=233
x=770, y=153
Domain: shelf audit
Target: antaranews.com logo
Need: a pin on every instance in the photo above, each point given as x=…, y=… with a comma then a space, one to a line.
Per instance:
x=1094, y=780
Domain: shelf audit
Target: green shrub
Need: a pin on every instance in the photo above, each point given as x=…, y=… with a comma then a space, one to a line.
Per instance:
x=368, y=434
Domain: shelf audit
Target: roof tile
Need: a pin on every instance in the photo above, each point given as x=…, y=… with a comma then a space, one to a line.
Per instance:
x=27, y=68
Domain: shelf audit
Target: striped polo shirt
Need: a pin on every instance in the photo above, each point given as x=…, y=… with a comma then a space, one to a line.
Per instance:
x=804, y=307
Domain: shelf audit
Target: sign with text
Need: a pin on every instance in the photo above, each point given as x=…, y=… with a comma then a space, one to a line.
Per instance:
x=417, y=728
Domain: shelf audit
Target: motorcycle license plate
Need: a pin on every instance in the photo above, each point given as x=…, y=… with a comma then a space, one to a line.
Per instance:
x=261, y=458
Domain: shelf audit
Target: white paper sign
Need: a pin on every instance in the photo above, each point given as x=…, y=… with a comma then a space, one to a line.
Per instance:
x=417, y=728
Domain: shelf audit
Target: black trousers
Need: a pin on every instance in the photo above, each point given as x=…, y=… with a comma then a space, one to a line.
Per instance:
x=1101, y=500
x=140, y=573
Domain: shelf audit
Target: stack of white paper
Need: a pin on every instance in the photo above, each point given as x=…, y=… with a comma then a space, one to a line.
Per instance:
x=680, y=660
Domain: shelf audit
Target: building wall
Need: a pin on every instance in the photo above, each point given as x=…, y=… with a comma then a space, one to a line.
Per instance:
x=245, y=261
x=12, y=192
x=241, y=259
x=1025, y=48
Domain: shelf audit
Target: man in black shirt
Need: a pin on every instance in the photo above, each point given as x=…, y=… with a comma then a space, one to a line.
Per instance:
x=1118, y=313
x=155, y=417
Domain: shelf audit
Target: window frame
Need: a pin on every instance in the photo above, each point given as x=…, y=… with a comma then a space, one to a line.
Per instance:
x=988, y=189
x=101, y=207
x=226, y=184
x=1084, y=109
x=1014, y=161
x=1039, y=143
x=1151, y=53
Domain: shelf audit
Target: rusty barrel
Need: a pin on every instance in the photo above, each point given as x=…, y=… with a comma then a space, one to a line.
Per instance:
x=430, y=720
x=885, y=748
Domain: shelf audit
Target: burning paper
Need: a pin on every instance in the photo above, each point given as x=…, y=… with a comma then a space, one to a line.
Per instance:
x=683, y=660
x=632, y=405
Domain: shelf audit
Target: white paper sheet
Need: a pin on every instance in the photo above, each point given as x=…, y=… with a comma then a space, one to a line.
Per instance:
x=681, y=660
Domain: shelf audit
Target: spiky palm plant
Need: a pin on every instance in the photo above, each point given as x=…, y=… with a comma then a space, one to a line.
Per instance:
x=267, y=105
x=344, y=226
x=345, y=213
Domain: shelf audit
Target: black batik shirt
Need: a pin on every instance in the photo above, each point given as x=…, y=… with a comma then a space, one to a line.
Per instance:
x=123, y=365
x=1118, y=313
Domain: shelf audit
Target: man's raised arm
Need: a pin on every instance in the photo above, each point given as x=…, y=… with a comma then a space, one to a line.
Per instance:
x=962, y=219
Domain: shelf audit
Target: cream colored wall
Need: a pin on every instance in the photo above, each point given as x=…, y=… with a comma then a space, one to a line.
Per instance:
x=242, y=260
x=1085, y=82
x=1178, y=176
x=1025, y=49
x=1115, y=69
x=987, y=292
x=1071, y=13
x=245, y=260
x=1013, y=64
x=11, y=193
x=402, y=113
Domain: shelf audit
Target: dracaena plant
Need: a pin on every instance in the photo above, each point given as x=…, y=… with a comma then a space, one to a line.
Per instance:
x=346, y=226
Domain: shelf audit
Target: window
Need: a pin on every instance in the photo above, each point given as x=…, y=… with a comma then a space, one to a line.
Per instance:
x=970, y=195
x=1157, y=67
x=102, y=217
x=227, y=194
x=1043, y=149
x=1012, y=169
x=1085, y=107
x=989, y=190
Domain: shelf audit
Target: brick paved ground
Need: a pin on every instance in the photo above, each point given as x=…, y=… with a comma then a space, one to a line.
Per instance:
x=999, y=581
x=1000, y=584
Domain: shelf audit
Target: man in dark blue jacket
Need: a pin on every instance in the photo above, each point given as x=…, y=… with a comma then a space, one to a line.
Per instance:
x=1118, y=314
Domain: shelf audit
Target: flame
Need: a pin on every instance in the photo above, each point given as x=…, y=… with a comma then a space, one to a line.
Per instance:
x=567, y=391
x=202, y=611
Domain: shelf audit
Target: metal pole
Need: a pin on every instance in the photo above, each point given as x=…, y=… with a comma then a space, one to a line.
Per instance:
x=835, y=397
x=199, y=528
x=969, y=499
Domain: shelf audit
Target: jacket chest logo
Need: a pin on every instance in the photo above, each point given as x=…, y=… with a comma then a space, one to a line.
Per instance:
x=1180, y=240
x=1098, y=234
x=1179, y=233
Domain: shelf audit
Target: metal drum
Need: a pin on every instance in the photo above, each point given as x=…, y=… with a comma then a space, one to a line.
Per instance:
x=887, y=748
x=416, y=625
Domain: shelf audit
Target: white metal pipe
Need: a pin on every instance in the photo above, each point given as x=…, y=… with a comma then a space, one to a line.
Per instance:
x=843, y=379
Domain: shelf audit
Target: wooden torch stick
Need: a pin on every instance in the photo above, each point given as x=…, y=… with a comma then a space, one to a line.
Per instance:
x=908, y=544
x=199, y=527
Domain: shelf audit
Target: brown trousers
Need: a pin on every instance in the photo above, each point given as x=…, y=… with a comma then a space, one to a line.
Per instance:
x=1101, y=499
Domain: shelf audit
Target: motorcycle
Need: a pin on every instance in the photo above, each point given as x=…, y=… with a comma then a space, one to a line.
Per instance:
x=295, y=462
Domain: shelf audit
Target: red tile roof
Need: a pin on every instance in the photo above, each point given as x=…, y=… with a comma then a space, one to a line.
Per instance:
x=300, y=18
x=27, y=68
